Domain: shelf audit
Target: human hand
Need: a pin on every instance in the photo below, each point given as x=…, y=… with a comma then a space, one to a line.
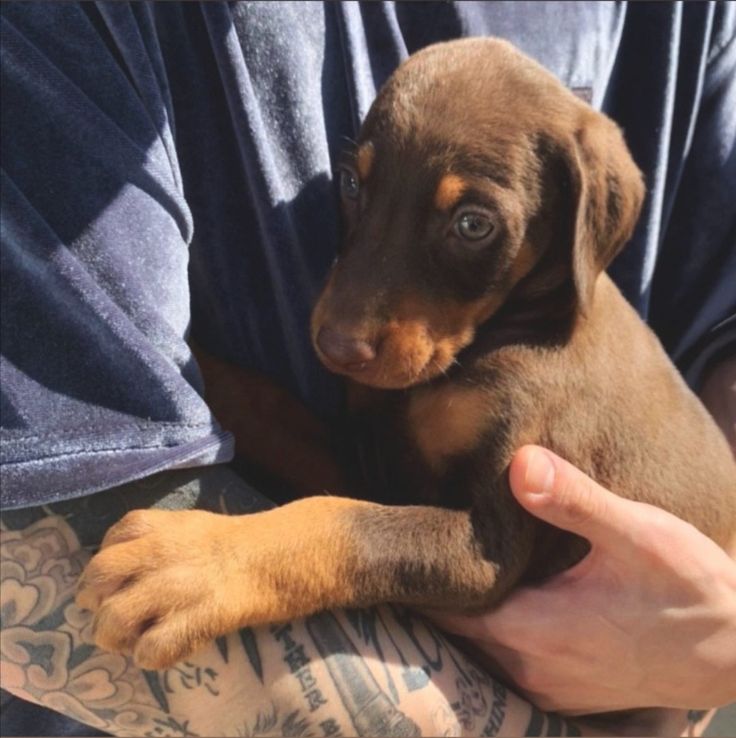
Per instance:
x=647, y=618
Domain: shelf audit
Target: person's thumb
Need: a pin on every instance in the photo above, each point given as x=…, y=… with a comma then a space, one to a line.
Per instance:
x=555, y=491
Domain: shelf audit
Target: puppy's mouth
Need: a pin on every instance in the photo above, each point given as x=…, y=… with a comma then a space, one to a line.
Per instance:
x=401, y=355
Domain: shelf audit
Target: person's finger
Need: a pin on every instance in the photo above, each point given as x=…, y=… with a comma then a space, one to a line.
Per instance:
x=555, y=491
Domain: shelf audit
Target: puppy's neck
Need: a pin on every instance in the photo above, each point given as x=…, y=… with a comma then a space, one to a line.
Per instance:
x=543, y=312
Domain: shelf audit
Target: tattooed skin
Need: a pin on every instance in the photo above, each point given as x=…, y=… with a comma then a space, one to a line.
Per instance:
x=271, y=723
x=374, y=672
x=45, y=642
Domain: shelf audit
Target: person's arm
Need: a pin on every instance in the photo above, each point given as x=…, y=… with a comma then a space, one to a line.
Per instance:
x=648, y=618
x=374, y=672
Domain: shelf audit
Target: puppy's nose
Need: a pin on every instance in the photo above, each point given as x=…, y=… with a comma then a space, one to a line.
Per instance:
x=344, y=350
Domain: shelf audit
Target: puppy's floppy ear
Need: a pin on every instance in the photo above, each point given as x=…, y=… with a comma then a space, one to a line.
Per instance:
x=607, y=194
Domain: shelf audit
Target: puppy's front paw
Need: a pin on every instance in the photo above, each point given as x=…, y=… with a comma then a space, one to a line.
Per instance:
x=165, y=583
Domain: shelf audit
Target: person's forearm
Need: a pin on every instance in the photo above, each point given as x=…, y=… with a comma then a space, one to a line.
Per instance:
x=379, y=672
x=323, y=677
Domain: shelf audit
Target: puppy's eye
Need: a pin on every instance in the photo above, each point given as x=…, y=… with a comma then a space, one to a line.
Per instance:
x=349, y=184
x=473, y=226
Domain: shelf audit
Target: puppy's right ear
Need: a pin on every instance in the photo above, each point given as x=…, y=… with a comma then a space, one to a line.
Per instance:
x=607, y=194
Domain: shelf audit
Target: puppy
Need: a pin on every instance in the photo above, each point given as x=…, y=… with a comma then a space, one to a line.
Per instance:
x=470, y=312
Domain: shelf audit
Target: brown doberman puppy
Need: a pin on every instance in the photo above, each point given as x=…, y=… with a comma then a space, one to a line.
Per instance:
x=471, y=313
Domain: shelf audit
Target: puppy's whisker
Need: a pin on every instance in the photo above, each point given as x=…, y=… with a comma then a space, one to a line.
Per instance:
x=440, y=368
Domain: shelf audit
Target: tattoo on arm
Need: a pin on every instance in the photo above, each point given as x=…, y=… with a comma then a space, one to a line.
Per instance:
x=250, y=646
x=369, y=707
x=47, y=654
x=270, y=723
x=298, y=663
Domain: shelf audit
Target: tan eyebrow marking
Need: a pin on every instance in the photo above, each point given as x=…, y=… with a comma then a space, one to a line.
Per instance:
x=449, y=190
x=364, y=159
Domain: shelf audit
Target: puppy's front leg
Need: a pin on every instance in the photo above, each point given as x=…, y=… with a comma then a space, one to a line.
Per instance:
x=166, y=582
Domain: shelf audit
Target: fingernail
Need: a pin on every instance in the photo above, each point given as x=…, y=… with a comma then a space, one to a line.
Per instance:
x=540, y=473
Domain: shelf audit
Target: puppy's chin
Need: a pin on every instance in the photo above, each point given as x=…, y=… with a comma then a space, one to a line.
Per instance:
x=381, y=379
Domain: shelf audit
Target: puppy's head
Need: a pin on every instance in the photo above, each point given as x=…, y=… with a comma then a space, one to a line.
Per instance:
x=476, y=175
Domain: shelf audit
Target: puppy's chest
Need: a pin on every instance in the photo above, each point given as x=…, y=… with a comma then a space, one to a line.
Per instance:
x=448, y=421
x=419, y=445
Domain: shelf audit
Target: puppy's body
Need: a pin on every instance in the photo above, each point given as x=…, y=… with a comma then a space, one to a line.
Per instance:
x=470, y=310
x=607, y=399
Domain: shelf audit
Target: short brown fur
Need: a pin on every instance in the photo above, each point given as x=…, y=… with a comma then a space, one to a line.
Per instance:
x=516, y=337
x=447, y=423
